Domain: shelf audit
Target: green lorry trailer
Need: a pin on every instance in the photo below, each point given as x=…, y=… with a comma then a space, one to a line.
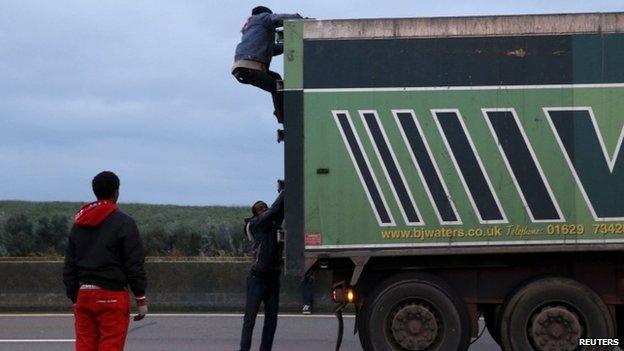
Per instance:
x=450, y=168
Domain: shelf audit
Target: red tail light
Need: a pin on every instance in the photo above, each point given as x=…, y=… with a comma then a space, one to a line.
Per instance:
x=338, y=295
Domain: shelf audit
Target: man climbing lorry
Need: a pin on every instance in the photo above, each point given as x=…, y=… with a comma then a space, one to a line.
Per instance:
x=255, y=51
x=447, y=168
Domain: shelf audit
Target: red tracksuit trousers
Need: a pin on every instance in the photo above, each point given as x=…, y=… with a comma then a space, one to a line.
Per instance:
x=101, y=320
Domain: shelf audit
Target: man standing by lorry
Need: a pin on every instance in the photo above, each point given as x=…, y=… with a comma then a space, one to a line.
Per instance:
x=104, y=256
x=263, y=281
x=255, y=51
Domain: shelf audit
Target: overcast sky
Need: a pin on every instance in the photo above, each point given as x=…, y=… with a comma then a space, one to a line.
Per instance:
x=143, y=88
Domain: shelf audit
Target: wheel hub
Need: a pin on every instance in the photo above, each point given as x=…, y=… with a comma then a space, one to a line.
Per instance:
x=555, y=328
x=414, y=327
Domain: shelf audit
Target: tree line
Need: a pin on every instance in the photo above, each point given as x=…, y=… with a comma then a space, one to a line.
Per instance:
x=42, y=229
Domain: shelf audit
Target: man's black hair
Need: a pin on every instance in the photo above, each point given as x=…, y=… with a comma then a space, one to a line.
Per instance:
x=253, y=207
x=260, y=9
x=104, y=185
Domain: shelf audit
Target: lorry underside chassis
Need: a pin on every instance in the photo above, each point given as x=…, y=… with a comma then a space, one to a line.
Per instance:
x=528, y=301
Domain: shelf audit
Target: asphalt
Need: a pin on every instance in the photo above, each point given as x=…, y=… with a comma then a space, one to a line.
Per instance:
x=193, y=332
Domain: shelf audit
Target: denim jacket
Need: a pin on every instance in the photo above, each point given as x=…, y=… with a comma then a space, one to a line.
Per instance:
x=258, y=41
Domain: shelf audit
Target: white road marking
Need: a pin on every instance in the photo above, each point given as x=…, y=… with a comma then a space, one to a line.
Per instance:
x=7, y=341
x=285, y=315
x=209, y=315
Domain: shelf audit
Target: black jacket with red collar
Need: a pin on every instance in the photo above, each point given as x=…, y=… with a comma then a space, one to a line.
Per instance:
x=104, y=249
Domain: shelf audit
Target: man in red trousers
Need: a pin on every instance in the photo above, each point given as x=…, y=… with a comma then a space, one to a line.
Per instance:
x=104, y=257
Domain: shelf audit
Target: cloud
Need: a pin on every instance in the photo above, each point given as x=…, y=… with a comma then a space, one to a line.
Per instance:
x=143, y=88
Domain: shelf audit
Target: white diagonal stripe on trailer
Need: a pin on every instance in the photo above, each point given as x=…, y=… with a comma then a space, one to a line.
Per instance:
x=610, y=160
x=529, y=147
x=396, y=113
x=336, y=114
x=382, y=163
x=460, y=172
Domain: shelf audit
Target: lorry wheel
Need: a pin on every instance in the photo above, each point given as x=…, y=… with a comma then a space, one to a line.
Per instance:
x=553, y=314
x=619, y=323
x=363, y=327
x=416, y=312
x=491, y=316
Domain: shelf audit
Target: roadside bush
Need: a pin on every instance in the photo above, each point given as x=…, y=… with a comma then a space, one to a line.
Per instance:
x=51, y=235
x=18, y=236
x=42, y=229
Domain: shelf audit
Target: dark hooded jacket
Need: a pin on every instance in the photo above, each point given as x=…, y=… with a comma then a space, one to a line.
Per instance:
x=104, y=249
x=262, y=231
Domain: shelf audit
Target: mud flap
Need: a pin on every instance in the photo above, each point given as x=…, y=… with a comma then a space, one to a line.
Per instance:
x=338, y=313
x=357, y=318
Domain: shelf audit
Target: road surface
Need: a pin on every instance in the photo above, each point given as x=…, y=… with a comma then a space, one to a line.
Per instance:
x=192, y=332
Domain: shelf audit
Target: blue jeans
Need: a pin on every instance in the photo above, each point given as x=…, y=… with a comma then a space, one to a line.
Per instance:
x=261, y=289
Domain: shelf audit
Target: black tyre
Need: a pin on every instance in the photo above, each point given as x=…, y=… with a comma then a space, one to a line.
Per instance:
x=415, y=312
x=362, y=324
x=553, y=314
x=491, y=316
x=619, y=324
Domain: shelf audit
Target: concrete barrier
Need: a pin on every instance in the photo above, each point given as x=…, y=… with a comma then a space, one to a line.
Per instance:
x=27, y=286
